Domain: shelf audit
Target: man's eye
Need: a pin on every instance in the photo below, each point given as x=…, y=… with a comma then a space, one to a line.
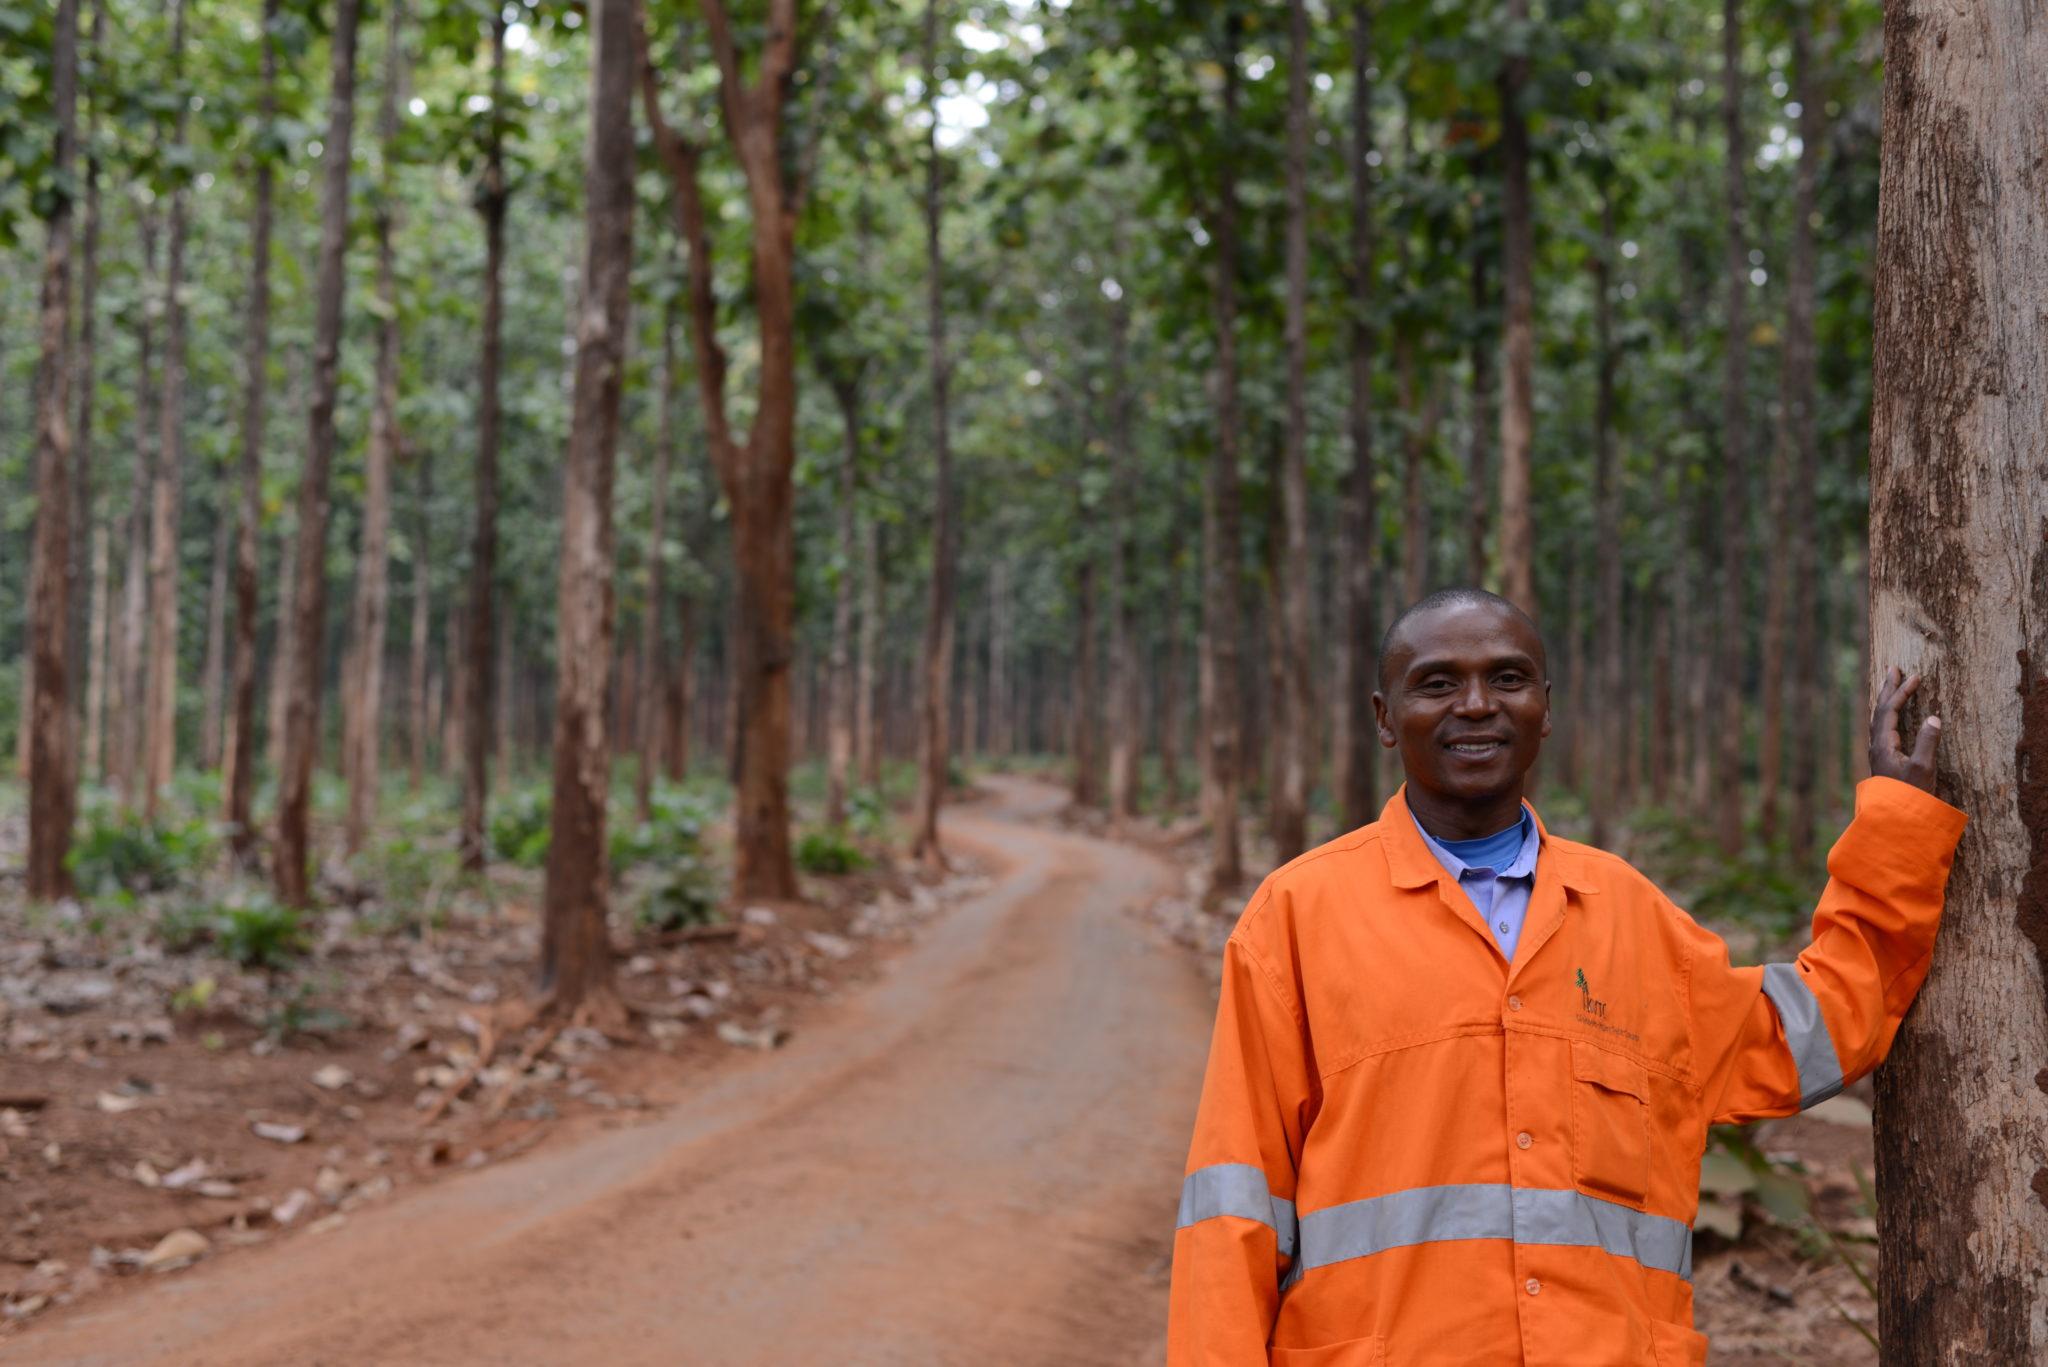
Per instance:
x=1510, y=680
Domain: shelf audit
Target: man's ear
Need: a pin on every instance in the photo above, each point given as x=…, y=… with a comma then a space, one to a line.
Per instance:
x=1546, y=709
x=1385, y=723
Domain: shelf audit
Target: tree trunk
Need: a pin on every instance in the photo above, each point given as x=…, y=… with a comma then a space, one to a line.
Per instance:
x=839, y=740
x=371, y=614
x=1806, y=657
x=575, y=943
x=421, y=727
x=1124, y=730
x=1290, y=798
x=1086, y=697
x=282, y=645
x=1478, y=488
x=1518, y=332
x=1360, y=542
x=129, y=706
x=307, y=621
x=652, y=615
x=89, y=554
x=97, y=657
x=1601, y=704
x=52, y=776
x=1733, y=626
x=1170, y=691
x=1959, y=593
x=160, y=704
x=936, y=696
x=214, y=663
x=479, y=640
x=867, y=745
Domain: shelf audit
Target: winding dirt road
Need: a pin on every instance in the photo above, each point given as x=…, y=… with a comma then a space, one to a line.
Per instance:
x=975, y=1160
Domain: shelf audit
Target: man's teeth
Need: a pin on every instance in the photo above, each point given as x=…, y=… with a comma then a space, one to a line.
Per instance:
x=1475, y=747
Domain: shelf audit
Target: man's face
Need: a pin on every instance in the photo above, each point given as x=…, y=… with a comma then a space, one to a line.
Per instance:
x=1467, y=702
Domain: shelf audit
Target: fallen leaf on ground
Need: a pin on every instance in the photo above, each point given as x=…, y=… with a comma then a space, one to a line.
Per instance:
x=116, y=1105
x=180, y=1178
x=176, y=1249
x=737, y=1035
x=21, y=1310
x=281, y=1134
x=333, y=1078
x=292, y=1206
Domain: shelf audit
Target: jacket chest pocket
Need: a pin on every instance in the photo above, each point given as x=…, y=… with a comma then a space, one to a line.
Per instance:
x=1610, y=1125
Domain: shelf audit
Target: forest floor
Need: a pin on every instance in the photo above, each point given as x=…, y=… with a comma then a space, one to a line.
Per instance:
x=715, y=1189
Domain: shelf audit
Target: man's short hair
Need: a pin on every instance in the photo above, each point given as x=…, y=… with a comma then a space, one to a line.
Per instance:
x=1458, y=596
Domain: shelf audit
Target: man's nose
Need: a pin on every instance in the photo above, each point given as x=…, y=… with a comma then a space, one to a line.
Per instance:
x=1475, y=699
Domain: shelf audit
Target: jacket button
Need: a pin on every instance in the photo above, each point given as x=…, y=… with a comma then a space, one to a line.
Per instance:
x=1514, y=1003
x=1533, y=1285
x=1523, y=1139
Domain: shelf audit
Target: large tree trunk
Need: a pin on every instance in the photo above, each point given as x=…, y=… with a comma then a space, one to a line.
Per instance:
x=840, y=724
x=575, y=943
x=1732, y=626
x=756, y=470
x=478, y=632
x=1518, y=333
x=1806, y=658
x=1959, y=593
x=1290, y=797
x=365, y=699
x=1125, y=733
x=1602, y=702
x=936, y=695
x=160, y=703
x=307, y=620
x=1222, y=761
x=88, y=646
x=52, y=777
x=656, y=608
x=213, y=665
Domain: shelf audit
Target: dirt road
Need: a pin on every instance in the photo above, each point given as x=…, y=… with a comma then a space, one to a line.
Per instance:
x=973, y=1161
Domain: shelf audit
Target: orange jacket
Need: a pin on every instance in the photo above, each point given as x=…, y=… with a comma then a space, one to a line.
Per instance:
x=1410, y=1151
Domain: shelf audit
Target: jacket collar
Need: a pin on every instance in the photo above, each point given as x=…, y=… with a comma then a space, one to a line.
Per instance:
x=1411, y=864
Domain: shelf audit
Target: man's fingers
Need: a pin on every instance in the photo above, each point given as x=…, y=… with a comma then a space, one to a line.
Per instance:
x=1923, y=745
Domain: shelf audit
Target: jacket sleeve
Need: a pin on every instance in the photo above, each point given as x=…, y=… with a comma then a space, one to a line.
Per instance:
x=1236, y=1236
x=1773, y=1040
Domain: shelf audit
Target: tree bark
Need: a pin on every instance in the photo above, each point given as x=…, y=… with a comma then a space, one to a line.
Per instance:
x=839, y=740
x=213, y=665
x=936, y=696
x=1518, y=325
x=1805, y=655
x=52, y=775
x=1222, y=550
x=867, y=745
x=89, y=562
x=1959, y=594
x=1478, y=488
x=1733, y=626
x=1086, y=697
x=307, y=622
x=575, y=943
x=421, y=725
x=1290, y=798
x=160, y=703
x=370, y=617
x=479, y=641
x=651, y=620
x=1602, y=703
x=1125, y=733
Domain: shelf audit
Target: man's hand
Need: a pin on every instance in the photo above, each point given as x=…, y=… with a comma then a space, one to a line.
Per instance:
x=1887, y=760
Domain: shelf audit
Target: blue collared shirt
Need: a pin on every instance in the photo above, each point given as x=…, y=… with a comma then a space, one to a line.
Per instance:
x=1500, y=895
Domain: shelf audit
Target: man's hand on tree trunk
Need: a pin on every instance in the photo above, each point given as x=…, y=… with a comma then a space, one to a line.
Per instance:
x=1887, y=760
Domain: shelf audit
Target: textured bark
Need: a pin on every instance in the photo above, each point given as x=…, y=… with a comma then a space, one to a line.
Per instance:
x=1731, y=624
x=756, y=469
x=1518, y=332
x=160, y=700
x=89, y=554
x=1959, y=593
x=1478, y=484
x=1421, y=407
x=98, y=630
x=307, y=620
x=656, y=595
x=128, y=707
x=840, y=724
x=1290, y=795
x=1602, y=704
x=1804, y=655
x=420, y=725
x=213, y=664
x=52, y=775
x=479, y=629
x=364, y=701
x=575, y=943
x=1125, y=732
x=936, y=696
x=867, y=745
x=1222, y=551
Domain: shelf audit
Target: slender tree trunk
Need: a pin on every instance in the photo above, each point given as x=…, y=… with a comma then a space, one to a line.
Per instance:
x=1518, y=332
x=479, y=639
x=88, y=532
x=867, y=748
x=214, y=664
x=1222, y=550
x=1805, y=656
x=936, y=698
x=1124, y=730
x=307, y=621
x=282, y=647
x=575, y=944
x=160, y=708
x=1959, y=593
x=97, y=632
x=656, y=595
x=1478, y=483
x=1421, y=411
x=1290, y=805
x=1086, y=695
x=52, y=774
x=1733, y=625
x=421, y=726
x=1170, y=691
x=839, y=743
x=1604, y=708
x=130, y=662
x=370, y=616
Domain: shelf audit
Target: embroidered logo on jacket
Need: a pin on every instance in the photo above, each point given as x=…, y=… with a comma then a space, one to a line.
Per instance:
x=1588, y=1003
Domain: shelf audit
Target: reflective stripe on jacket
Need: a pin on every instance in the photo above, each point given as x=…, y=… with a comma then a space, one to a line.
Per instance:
x=1410, y=1151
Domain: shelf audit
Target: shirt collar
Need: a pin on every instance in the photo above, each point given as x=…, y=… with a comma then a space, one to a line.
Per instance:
x=1523, y=865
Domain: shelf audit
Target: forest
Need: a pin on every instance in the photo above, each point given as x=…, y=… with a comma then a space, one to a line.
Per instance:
x=658, y=452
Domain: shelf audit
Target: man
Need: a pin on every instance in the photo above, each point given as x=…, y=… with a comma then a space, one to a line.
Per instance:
x=1463, y=1070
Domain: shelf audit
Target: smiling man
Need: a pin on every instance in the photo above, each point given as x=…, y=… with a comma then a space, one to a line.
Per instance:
x=1463, y=1070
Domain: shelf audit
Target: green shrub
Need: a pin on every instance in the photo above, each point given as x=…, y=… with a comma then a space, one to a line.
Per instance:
x=520, y=826
x=686, y=896
x=117, y=851
x=674, y=830
x=867, y=815
x=828, y=850
x=182, y=929
x=411, y=887
x=260, y=933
